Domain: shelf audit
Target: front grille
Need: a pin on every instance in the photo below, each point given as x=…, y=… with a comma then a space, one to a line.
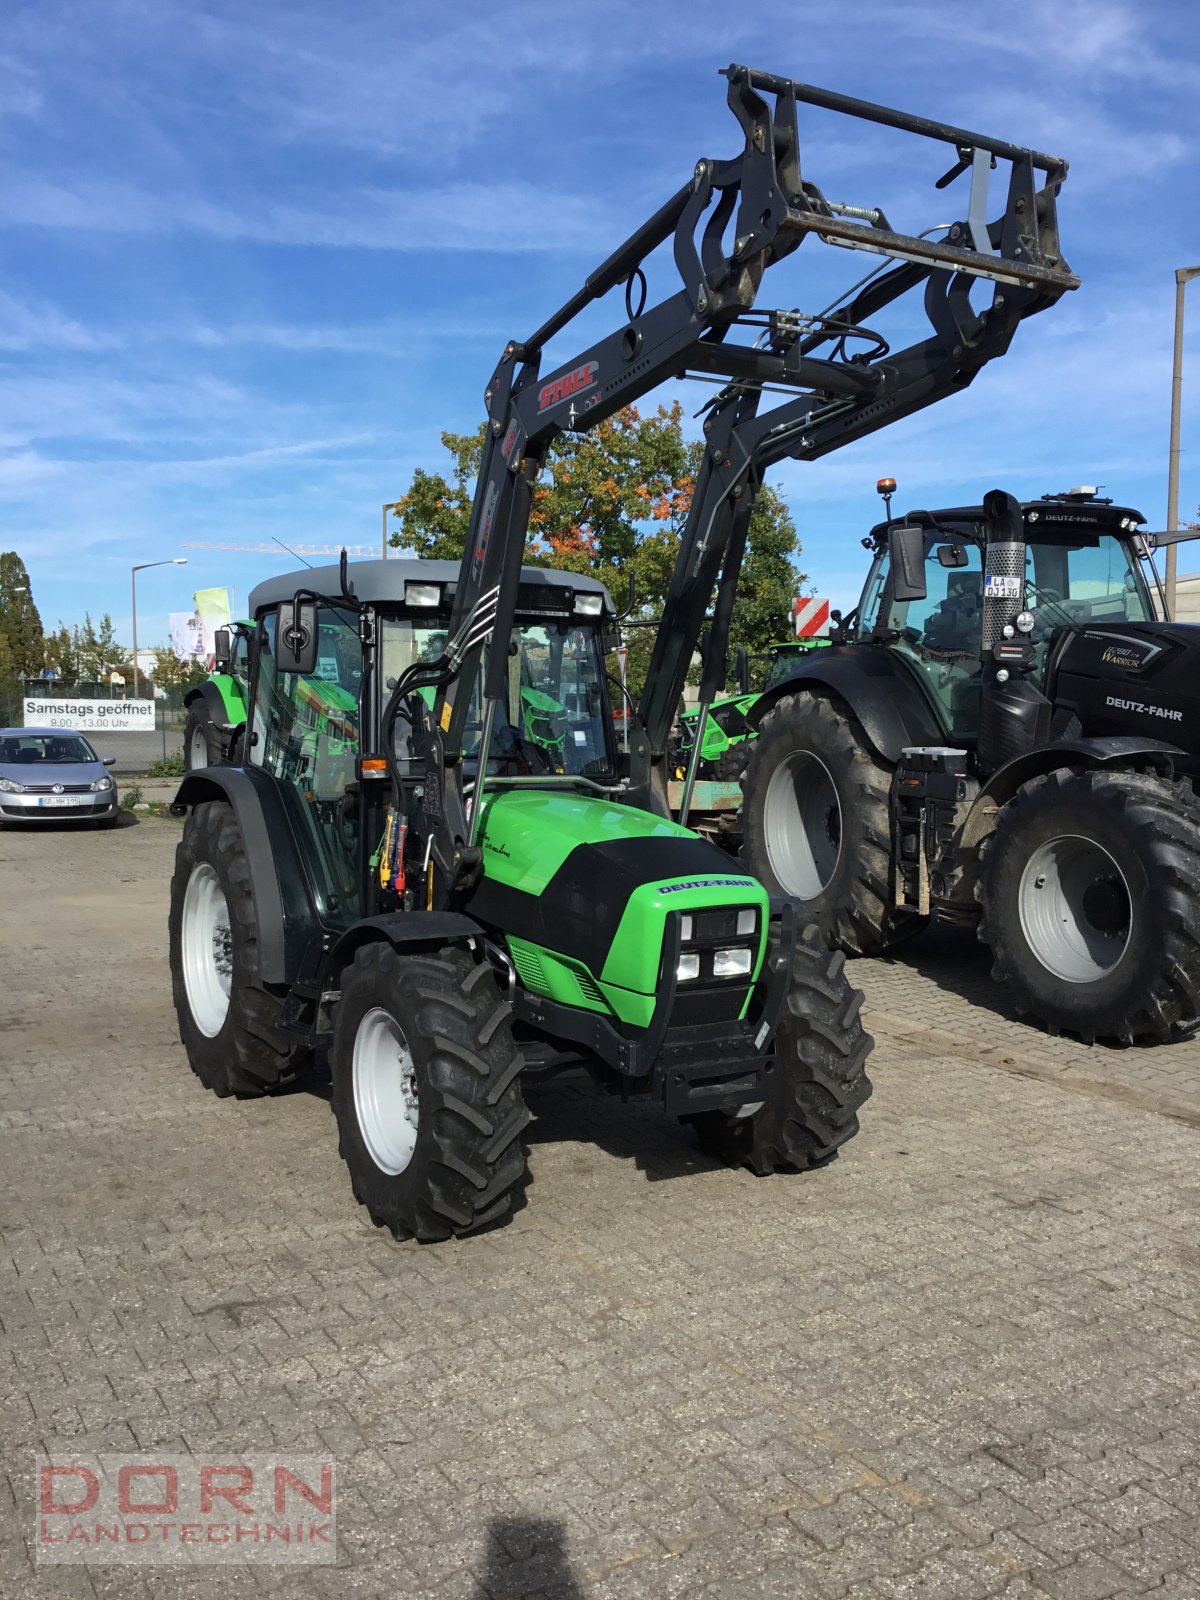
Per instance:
x=66, y=788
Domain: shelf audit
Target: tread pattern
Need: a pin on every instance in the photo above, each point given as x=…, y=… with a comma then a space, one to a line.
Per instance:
x=823, y=1083
x=468, y=1169
x=1154, y=822
x=854, y=910
x=251, y=1055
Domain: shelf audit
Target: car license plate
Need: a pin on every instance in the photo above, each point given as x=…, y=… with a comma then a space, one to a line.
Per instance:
x=62, y=800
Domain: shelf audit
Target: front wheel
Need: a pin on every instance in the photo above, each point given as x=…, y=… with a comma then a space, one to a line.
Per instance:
x=816, y=823
x=1089, y=889
x=427, y=1091
x=822, y=1078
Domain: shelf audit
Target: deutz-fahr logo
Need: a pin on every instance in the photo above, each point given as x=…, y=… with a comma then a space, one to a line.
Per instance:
x=708, y=883
x=571, y=383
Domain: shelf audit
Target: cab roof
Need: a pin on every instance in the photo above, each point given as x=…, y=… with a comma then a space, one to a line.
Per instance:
x=1045, y=517
x=381, y=582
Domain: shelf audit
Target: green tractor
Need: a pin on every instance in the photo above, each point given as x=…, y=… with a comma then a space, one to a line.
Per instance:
x=216, y=708
x=462, y=884
x=726, y=749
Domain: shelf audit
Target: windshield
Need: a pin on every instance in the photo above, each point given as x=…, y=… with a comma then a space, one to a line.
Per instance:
x=554, y=717
x=1096, y=581
x=46, y=749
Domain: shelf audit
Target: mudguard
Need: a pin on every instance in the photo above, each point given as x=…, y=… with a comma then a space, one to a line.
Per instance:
x=210, y=697
x=289, y=929
x=403, y=930
x=878, y=688
x=1101, y=752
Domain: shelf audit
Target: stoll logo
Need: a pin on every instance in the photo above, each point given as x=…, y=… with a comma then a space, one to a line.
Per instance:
x=161, y=1510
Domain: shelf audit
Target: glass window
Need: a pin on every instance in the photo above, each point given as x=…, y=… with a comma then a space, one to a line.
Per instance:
x=46, y=749
x=307, y=737
x=1097, y=581
x=554, y=717
x=942, y=635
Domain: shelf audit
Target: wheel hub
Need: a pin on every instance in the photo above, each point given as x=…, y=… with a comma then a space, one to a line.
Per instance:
x=1075, y=908
x=386, y=1099
x=802, y=822
x=207, y=950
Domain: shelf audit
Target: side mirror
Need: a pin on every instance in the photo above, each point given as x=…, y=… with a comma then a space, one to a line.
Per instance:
x=742, y=669
x=952, y=555
x=296, y=637
x=906, y=550
x=222, y=650
x=109, y=761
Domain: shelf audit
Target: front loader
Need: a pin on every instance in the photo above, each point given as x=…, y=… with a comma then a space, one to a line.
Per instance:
x=465, y=884
x=1005, y=737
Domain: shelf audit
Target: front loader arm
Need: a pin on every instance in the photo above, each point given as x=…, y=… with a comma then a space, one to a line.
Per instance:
x=727, y=226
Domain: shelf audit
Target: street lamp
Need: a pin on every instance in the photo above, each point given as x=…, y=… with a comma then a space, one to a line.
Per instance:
x=1183, y=275
x=175, y=561
x=388, y=505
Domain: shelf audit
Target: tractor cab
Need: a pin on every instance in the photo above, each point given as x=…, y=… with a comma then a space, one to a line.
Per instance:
x=1081, y=564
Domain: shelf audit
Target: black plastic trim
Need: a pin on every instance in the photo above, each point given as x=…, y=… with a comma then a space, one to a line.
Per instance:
x=1114, y=751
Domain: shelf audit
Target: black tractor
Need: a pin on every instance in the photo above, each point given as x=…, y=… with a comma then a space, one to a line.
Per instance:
x=1006, y=737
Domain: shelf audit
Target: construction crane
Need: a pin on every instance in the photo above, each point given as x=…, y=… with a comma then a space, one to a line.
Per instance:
x=355, y=552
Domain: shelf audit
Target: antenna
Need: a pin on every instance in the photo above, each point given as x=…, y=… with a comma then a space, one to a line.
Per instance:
x=290, y=551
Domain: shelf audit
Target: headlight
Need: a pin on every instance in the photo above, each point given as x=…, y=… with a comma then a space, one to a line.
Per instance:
x=101, y=784
x=731, y=963
x=422, y=594
x=7, y=786
x=689, y=966
x=589, y=605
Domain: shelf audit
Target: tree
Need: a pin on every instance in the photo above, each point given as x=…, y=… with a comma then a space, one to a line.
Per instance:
x=612, y=502
x=61, y=653
x=20, y=621
x=172, y=673
x=96, y=649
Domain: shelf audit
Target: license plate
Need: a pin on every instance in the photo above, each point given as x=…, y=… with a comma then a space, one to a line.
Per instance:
x=62, y=800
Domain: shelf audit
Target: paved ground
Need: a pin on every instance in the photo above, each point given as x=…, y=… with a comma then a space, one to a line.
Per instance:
x=963, y=1361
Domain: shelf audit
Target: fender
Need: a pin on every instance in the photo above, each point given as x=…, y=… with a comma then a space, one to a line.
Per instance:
x=879, y=689
x=288, y=923
x=1101, y=752
x=208, y=697
x=403, y=930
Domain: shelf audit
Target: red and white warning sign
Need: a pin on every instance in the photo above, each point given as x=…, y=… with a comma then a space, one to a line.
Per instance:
x=811, y=616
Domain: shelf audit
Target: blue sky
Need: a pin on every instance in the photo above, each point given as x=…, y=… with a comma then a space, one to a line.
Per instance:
x=253, y=258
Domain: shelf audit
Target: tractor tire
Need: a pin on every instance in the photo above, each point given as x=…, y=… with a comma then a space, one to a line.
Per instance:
x=822, y=1082
x=228, y=1017
x=427, y=1092
x=1089, y=890
x=731, y=763
x=201, y=741
x=816, y=824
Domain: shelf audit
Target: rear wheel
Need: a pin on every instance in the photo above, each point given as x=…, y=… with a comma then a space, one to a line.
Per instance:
x=1090, y=883
x=427, y=1092
x=816, y=823
x=201, y=741
x=732, y=762
x=822, y=1080
x=228, y=1017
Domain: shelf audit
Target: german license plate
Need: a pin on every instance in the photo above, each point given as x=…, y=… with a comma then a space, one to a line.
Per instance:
x=62, y=800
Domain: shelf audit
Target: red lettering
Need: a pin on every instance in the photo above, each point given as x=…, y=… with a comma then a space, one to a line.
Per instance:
x=323, y=1500
x=170, y=1489
x=210, y=1490
x=59, y=1507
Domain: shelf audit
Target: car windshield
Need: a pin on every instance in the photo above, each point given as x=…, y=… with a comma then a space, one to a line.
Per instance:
x=553, y=719
x=44, y=749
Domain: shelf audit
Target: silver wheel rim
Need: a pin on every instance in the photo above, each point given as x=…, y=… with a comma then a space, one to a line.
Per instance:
x=385, y=1091
x=802, y=821
x=1075, y=908
x=207, y=950
x=198, y=748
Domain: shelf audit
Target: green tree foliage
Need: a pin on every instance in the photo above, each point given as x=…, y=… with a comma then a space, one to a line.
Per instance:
x=19, y=619
x=96, y=648
x=172, y=673
x=612, y=502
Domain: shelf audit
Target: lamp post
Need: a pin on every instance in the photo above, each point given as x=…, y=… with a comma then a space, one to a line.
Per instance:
x=1183, y=276
x=174, y=561
x=388, y=505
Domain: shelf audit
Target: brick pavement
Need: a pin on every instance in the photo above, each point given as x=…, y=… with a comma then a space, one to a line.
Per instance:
x=962, y=1361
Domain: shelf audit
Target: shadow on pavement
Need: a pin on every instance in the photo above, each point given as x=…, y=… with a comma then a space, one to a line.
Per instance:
x=637, y=1130
x=527, y=1556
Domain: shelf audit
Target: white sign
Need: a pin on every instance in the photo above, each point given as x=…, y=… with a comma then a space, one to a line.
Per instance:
x=91, y=716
